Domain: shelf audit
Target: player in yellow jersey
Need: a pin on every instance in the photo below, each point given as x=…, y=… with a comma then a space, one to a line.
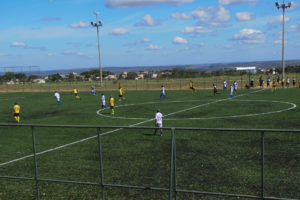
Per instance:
x=192, y=87
x=294, y=82
x=75, y=92
x=282, y=82
x=273, y=85
x=17, y=111
x=112, y=104
x=121, y=94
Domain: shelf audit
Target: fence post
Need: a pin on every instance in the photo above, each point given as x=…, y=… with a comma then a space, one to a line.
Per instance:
x=171, y=165
x=262, y=164
x=174, y=154
x=101, y=162
x=35, y=165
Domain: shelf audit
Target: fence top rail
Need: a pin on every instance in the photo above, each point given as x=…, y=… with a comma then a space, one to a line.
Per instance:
x=148, y=127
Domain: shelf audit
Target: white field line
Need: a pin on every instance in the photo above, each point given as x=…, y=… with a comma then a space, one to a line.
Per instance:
x=109, y=132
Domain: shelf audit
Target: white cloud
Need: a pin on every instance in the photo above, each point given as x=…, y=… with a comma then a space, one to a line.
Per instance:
x=49, y=19
x=50, y=54
x=294, y=28
x=223, y=15
x=230, y=2
x=211, y=15
x=278, y=20
x=249, y=36
x=147, y=21
x=243, y=16
x=154, y=47
x=18, y=44
x=143, y=3
x=143, y=41
x=179, y=40
x=179, y=15
x=195, y=30
x=81, y=24
x=71, y=53
x=119, y=31
x=202, y=13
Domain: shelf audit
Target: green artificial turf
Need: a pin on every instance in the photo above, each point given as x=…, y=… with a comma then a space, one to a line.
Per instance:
x=212, y=161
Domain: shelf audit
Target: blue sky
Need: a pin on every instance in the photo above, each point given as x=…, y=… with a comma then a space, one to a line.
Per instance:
x=58, y=34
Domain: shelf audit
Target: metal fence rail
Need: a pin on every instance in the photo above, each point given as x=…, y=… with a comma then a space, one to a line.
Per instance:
x=173, y=189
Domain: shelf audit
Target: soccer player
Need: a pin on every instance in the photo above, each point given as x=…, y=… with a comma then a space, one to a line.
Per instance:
x=121, y=94
x=162, y=92
x=294, y=82
x=288, y=82
x=57, y=96
x=93, y=90
x=103, y=101
x=192, y=87
x=273, y=85
x=282, y=82
x=252, y=82
x=17, y=111
x=75, y=92
x=231, y=91
x=215, y=89
x=224, y=85
x=235, y=86
x=158, y=122
x=268, y=81
x=112, y=104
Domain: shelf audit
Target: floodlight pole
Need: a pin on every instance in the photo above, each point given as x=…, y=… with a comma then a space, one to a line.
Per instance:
x=97, y=25
x=283, y=6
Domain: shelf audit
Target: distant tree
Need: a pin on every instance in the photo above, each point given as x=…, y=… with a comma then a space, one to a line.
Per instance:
x=79, y=78
x=71, y=77
x=8, y=76
x=31, y=77
x=86, y=74
x=54, y=77
x=21, y=76
x=131, y=75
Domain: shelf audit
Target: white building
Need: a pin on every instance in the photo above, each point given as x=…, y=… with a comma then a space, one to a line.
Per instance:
x=248, y=69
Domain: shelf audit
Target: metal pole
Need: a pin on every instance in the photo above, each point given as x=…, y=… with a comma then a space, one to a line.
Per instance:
x=101, y=163
x=171, y=166
x=262, y=164
x=99, y=55
x=174, y=154
x=35, y=165
x=283, y=31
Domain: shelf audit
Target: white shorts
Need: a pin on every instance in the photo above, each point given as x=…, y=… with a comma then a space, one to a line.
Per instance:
x=158, y=125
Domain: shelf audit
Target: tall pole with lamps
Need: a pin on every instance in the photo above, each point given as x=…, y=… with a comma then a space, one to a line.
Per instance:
x=283, y=6
x=97, y=24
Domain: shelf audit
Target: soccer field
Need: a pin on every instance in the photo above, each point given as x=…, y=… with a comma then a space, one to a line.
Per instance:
x=227, y=162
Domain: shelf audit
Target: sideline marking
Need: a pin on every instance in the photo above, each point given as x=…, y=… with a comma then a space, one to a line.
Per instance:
x=109, y=132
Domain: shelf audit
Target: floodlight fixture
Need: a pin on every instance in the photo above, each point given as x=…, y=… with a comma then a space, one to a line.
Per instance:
x=284, y=7
x=97, y=24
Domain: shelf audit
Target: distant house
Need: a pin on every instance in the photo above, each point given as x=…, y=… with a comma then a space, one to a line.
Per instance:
x=39, y=81
x=110, y=77
x=247, y=69
x=154, y=75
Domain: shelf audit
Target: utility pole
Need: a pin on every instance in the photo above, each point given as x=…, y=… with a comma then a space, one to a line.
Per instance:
x=284, y=7
x=97, y=25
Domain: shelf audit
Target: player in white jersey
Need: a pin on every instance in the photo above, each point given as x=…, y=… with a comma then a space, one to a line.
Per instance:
x=162, y=92
x=57, y=96
x=158, y=122
x=235, y=86
x=231, y=91
x=224, y=85
x=103, y=101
